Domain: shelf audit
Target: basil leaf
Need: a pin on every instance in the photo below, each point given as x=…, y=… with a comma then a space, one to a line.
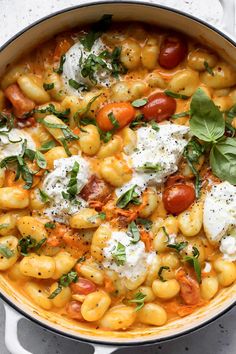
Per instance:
x=72, y=185
x=106, y=136
x=133, y=231
x=39, y=244
x=66, y=279
x=128, y=197
x=138, y=121
x=180, y=115
x=148, y=166
x=223, y=160
x=50, y=225
x=208, y=68
x=138, y=299
x=77, y=85
x=178, y=246
x=47, y=146
x=113, y=120
x=119, y=254
x=27, y=243
x=101, y=215
x=145, y=222
x=51, y=109
x=139, y=102
x=48, y=87
x=96, y=31
x=206, y=122
x=83, y=111
x=176, y=95
x=40, y=160
x=55, y=292
x=166, y=234
x=154, y=125
x=160, y=272
x=44, y=196
x=5, y=251
x=59, y=70
x=4, y=226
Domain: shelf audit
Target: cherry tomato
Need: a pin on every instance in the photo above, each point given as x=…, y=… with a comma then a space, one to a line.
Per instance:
x=159, y=107
x=83, y=286
x=115, y=115
x=20, y=102
x=173, y=51
x=178, y=198
x=189, y=288
x=73, y=310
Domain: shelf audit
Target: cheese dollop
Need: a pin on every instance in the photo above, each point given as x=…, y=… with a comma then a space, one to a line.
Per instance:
x=57, y=182
x=163, y=148
x=137, y=260
x=75, y=58
x=219, y=217
x=11, y=144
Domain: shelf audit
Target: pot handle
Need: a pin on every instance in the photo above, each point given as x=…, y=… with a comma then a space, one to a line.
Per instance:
x=229, y=16
x=11, y=337
x=101, y=349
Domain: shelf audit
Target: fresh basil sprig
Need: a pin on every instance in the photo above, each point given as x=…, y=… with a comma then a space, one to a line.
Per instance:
x=207, y=123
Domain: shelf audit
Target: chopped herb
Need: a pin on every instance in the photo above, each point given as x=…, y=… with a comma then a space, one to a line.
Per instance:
x=59, y=70
x=180, y=115
x=138, y=299
x=176, y=95
x=138, y=121
x=80, y=114
x=106, y=136
x=128, y=197
x=4, y=226
x=155, y=126
x=77, y=85
x=166, y=233
x=52, y=110
x=148, y=166
x=64, y=281
x=101, y=215
x=133, y=231
x=195, y=263
x=81, y=259
x=229, y=116
x=48, y=87
x=145, y=222
x=113, y=120
x=28, y=243
x=119, y=254
x=96, y=31
x=7, y=121
x=40, y=160
x=72, y=185
x=44, y=196
x=5, y=251
x=47, y=146
x=208, y=68
x=139, y=102
x=192, y=152
x=50, y=225
x=160, y=272
x=92, y=64
x=117, y=67
x=178, y=246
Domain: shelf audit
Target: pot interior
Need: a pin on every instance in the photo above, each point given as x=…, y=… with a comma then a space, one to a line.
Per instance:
x=80, y=16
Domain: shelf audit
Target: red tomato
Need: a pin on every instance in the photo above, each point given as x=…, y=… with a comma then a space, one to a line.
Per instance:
x=173, y=51
x=159, y=107
x=178, y=198
x=73, y=310
x=83, y=286
x=115, y=115
x=175, y=179
x=20, y=102
x=189, y=288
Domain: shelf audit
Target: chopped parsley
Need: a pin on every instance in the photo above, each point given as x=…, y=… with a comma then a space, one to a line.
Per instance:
x=128, y=197
x=64, y=281
x=139, y=300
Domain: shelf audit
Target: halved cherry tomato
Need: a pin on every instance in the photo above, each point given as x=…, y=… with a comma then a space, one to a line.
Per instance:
x=83, y=287
x=73, y=310
x=20, y=102
x=189, y=288
x=175, y=179
x=123, y=113
x=173, y=50
x=178, y=198
x=159, y=107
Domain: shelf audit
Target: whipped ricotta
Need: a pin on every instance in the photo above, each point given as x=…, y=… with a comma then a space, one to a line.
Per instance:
x=75, y=58
x=57, y=182
x=12, y=143
x=219, y=218
x=163, y=148
x=137, y=260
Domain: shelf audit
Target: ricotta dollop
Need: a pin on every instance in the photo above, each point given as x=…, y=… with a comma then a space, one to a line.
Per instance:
x=11, y=144
x=163, y=148
x=137, y=260
x=219, y=218
x=57, y=182
x=75, y=58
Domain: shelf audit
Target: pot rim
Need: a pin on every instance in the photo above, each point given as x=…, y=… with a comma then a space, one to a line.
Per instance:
x=79, y=337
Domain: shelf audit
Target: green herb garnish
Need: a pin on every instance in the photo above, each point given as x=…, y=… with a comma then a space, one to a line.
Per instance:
x=145, y=222
x=64, y=281
x=139, y=300
x=119, y=254
x=133, y=232
x=50, y=109
x=28, y=243
x=47, y=146
x=195, y=263
x=180, y=115
x=139, y=102
x=113, y=120
x=6, y=251
x=72, y=189
x=208, y=68
x=44, y=196
x=148, y=166
x=176, y=95
x=59, y=70
x=77, y=85
x=128, y=197
x=160, y=272
x=178, y=247
x=101, y=215
x=48, y=87
x=50, y=225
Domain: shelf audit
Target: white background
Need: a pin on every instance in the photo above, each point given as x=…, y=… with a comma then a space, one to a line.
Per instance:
x=217, y=338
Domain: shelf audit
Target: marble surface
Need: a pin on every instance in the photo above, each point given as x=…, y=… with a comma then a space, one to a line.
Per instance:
x=218, y=337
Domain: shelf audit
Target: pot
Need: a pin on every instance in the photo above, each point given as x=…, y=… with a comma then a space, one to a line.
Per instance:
x=17, y=306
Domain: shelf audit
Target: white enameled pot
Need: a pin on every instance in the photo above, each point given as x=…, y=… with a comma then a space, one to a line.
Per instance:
x=222, y=41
